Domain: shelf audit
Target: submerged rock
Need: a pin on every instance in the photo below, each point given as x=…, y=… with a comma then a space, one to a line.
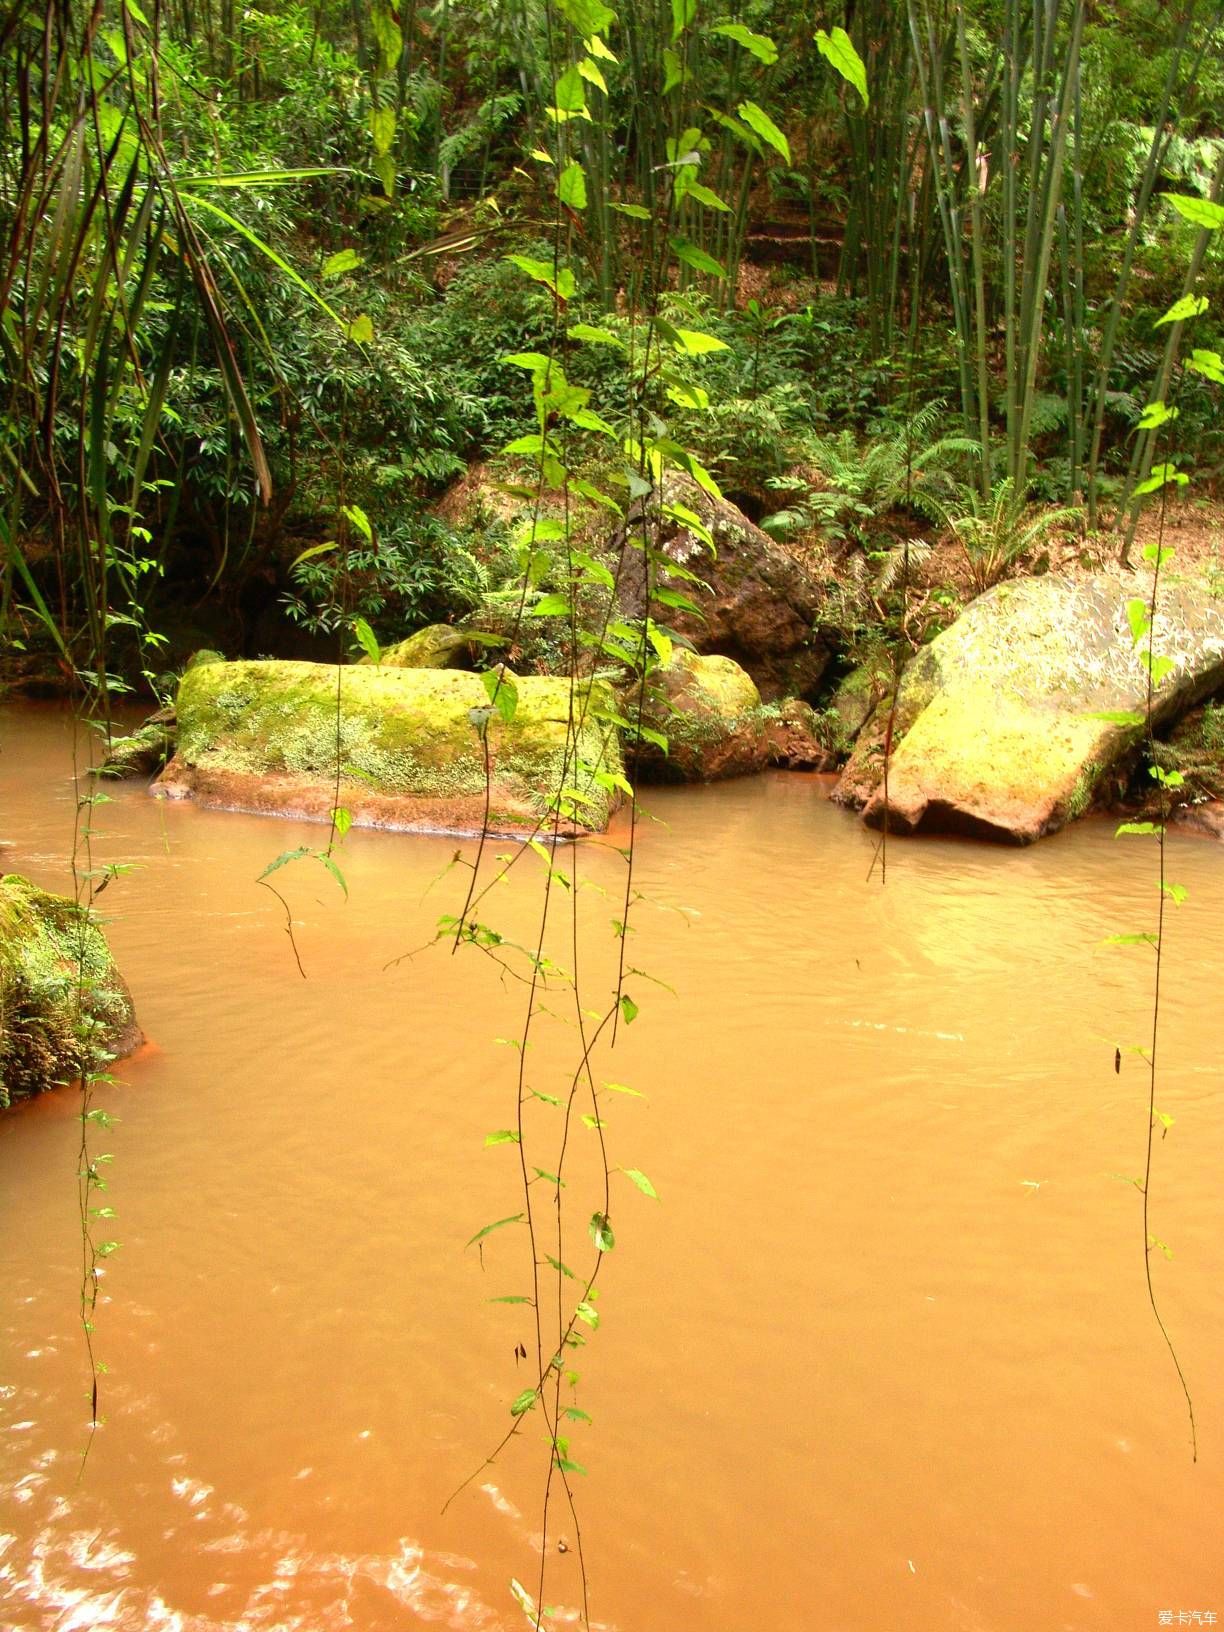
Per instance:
x=997, y=729
x=710, y=712
x=145, y=751
x=758, y=604
x=398, y=748
x=64, y=1008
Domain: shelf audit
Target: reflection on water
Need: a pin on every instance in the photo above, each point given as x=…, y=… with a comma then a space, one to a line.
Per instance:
x=881, y=1356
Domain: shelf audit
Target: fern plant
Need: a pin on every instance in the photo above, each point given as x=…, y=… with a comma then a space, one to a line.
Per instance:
x=995, y=533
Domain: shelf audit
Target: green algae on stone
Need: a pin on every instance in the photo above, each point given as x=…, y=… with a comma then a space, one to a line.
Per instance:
x=1001, y=729
x=437, y=646
x=402, y=748
x=64, y=1008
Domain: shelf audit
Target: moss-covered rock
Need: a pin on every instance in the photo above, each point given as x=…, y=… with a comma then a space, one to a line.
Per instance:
x=145, y=751
x=407, y=747
x=437, y=646
x=998, y=729
x=798, y=738
x=64, y=1008
x=710, y=712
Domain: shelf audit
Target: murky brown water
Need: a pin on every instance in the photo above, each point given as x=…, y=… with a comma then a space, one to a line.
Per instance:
x=879, y=1358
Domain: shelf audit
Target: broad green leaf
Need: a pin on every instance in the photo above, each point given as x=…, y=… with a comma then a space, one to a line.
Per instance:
x=534, y=360
x=574, y=1414
x=694, y=344
x=571, y=186
x=589, y=1316
x=1201, y=211
x=635, y=212
x=570, y=95
x=1158, y=555
x=683, y=14
x=1157, y=665
x=1142, y=938
x=628, y=1008
x=502, y=1136
x=758, y=120
x=761, y=46
x=696, y=257
x=1144, y=829
x=342, y=820
x=1117, y=716
x=333, y=868
x=503, y=693
x=587, y=16
x=1177, y=893
x=1137, y=617
x=390, y=40
x=523, y=1402
x=674, y=71
x=643, y=1183
x=551, y=606
x=685, y=395
x=601, y=1232
x=593, y=74
x=361, y=330
x=837, y=49
x=1188, y=306
x=595, y=47
x=381, y=122
x=688, y=188
x=367, y=640
x=1156, y=414
x=1162, y=476
x=622, y=1088
x=344, y=260
x=592, y=336
x=1208, y=363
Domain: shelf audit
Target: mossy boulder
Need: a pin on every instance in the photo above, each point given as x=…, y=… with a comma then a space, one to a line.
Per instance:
x=757, y=603
x=998, y=729
x=145, y=751
x=437, y=646
x=798, y=738
x=408, y=747
x=710, y=712
x=64, y=1008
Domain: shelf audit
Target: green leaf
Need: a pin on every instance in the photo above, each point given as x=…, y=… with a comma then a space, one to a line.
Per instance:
x=593, y=74
x=589, y=1316
x=574, y=1414
x=601, y=1232
x=551, y=606
x=1188, y=306
x=571, y=186
x=1177, y=893
x=758, y=120
x=1208, y=363
x=838, y=50
x=587, y=16
x=1157, y=665
x=683, y=14
x=502, y=1136
x=523, y=1402
x=692, y=343
x=315, y=549
x=692, y=255
x=344, y=260
x=643, y=1183
x=498, y=1224
x=1156, y=414
x=1201, y=211
x=1142, y=828
x=1117, y=716
x=628, y=1008
x=367, y=640
x=592, y=336
x=570, y=93
x=360, y=520
x=512, y=1297
x=502, y=691
x=621, y=1088
x=687, y=188
x=1142, y=938
x=635, y=212
x=761, y=46
x=361, y=330
x=1137, y=618
x=1162, y=476
x=381, y=122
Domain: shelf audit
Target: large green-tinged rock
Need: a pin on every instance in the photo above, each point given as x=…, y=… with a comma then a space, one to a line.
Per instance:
x=710, y=712
x=997, y=730
x=407, y=745
x=64, y=1008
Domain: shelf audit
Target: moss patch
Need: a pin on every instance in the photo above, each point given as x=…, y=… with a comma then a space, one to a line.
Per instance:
x=64, y=1008
x=409, y=735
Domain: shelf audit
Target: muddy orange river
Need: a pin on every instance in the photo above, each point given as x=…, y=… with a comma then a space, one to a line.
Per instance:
x=879, y=1356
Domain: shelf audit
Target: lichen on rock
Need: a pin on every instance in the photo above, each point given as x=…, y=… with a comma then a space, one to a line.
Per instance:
x=399, y=748
x=64, y=1008
x=711, y=714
